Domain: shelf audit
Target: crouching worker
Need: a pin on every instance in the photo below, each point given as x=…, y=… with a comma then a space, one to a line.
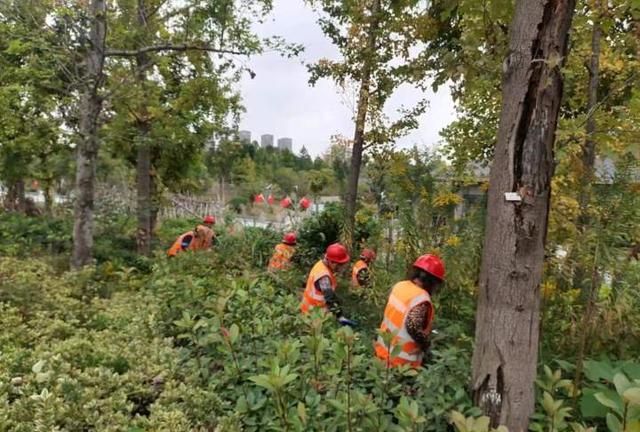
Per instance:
x=281, y=259
x=360, y=271
x=201, y=238
x=409, y=313
x=322, y=283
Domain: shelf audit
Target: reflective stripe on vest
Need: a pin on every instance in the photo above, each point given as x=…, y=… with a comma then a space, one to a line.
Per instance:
x=313, y=297
x=281, y=258
x=176, y=247
x=404, y=296
x=359, y=265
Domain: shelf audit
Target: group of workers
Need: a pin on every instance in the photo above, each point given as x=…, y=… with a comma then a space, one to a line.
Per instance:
x=409, y=312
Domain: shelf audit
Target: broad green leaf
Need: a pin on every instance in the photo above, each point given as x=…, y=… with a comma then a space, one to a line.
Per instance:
x=262, y=381
x=632, y=395
x=621, y=383
x=609, y=403
x=613, y=423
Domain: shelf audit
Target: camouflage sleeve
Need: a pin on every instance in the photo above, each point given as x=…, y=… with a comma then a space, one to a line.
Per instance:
x=324, y=285
x=417, y=321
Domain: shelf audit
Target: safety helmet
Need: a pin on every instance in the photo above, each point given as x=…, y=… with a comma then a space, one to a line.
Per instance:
x=431, y=264
x=289, y=238
x=368, y=255
x=209, y=220
x=337, y=253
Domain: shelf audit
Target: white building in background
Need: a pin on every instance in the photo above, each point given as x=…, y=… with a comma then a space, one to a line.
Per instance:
x=245, y=136
x=266, y=140
x=285, y=144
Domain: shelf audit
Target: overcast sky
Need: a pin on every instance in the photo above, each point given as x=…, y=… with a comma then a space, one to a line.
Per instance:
x=280, y=101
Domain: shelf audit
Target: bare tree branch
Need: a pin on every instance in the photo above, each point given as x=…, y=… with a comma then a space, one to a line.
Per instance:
x=171, y=47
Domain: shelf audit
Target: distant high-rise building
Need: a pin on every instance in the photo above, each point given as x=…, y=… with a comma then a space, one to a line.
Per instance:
x=285, y=144
x=266, y=140
x=245, y=136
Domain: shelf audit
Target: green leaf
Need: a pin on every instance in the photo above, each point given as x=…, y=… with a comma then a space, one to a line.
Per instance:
x=262, y=381
x=458, y=420
x=632, y=396
x=609, y=403
x=302, y=412
x=597, y=371
x=37, y=368
x=621, y=383
x=613, y=423
x=548, y=403
x=234, y=333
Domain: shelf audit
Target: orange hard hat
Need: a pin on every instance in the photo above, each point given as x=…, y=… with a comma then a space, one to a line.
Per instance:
x=337, y=253
x=208, y=219
x=368, y=254
x=431, y=264
x=289, y=238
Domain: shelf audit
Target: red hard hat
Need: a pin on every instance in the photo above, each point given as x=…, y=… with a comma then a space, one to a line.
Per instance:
x=368, y=254
x=208, y=219
x=337, y=253
x=289, y=238
x=431, y=264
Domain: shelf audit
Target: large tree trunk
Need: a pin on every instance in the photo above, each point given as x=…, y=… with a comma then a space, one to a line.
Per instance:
x=87, y=150
x=143, y=159
x=507, y=320
x=351, y=195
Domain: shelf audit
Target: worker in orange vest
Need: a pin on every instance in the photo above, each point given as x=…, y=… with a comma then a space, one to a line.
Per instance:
x=201, y=238
x=360, y=272
x=409, y=313
x=322, y=283
x=281, y=258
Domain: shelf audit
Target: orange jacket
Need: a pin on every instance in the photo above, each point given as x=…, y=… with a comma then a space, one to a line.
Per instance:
x=357, y=267
x=281, y=258
x=313, y=297
x=176, y=247
x=404, y=296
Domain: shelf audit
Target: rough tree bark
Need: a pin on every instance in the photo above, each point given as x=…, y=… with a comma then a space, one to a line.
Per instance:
x=143, y=158
x=87, y=150
x=507, y=319
x=351, y=195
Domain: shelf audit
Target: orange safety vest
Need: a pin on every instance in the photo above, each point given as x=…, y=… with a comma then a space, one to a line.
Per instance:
x=359, y=265
x=404, y=296
x=176, y=247
x=281, y=259
x=313, y=297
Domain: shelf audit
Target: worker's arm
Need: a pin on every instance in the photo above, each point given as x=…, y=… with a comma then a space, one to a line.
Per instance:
x=417, y=322
x=363, y=277
x=324, y=285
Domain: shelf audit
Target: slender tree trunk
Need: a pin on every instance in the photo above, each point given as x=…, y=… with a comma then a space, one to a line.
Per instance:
x=588, y=156
x=589, y=288
x=87, y=150
x=16, y=200
x=508, y=314
x=143, y=159
x=47, y=190
x=351, y=195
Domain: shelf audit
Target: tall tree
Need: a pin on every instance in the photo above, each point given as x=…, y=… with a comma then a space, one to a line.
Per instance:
x=90, y=106
x=507, y=320
x=375, y=39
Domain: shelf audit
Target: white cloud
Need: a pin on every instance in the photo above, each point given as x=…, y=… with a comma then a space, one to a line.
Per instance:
x=280, y=101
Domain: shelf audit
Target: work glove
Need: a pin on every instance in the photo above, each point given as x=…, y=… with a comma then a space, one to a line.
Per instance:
x=347, y=322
